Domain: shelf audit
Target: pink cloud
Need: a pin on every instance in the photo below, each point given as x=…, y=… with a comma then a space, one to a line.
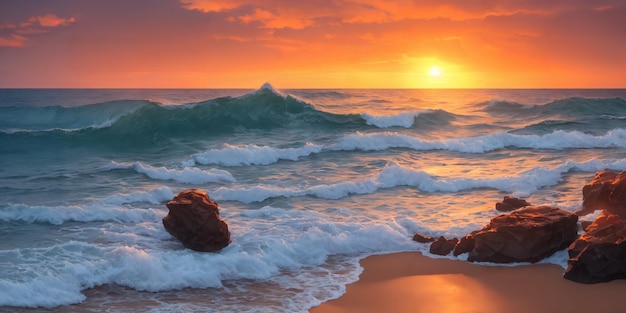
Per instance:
x=13, y=41
x=51, y=20
x=33, y=25
x=267, y=13
x=300, y=14
x=8, y=26
x=274, y=21
x=210, y=6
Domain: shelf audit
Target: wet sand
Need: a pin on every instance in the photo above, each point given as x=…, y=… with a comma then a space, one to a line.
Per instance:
x=411, y=282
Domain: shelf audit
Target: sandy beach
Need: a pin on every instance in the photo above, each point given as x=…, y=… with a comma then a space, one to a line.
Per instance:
x=412, y=282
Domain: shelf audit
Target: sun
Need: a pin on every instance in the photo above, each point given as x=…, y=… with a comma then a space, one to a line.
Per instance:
x=435, y=72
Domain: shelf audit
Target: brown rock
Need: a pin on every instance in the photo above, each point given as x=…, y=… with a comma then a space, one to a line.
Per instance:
x=510, y=203
x=599, y=255
x=194, y=220
x=528, y=234
x=443, y=246
x=422, y=239
x=466, y=244
x=606, y=191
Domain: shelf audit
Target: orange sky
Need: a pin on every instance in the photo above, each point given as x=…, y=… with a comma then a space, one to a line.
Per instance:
x=312, y=43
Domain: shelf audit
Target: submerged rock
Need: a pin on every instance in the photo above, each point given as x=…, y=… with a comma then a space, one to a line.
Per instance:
x=528, y=234
x=606, y=191
x=443, y=246
x=510, y=203
x=194, y=220
x=422, y=239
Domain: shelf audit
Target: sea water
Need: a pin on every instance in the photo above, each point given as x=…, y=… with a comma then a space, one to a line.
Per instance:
x=309, y=182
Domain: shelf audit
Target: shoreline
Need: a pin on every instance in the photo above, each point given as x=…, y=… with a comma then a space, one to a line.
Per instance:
x=411, y=282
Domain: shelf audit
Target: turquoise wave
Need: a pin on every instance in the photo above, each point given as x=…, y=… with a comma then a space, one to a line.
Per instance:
x=142, y=122
x=575, y=107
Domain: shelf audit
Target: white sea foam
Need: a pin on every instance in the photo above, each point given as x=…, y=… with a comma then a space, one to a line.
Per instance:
x=108, y=209
x=393, y=175
x=244, y=155
x=186, y=175
x=50, y=276
x=268, y=244
x=80, y=213
x=267, y=86
x=232, y=155
x=405, y=119
x=154, y=196
x=556, y=140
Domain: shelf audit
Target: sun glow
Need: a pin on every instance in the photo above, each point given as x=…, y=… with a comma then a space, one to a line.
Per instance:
x=435, y=72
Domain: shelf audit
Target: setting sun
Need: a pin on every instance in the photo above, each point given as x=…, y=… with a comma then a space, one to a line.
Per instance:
x=300, y=44
x=435, y=71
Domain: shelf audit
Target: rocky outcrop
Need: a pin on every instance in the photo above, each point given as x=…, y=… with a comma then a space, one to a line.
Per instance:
x=423, y=239
x=510, y=203
x=606, y=191
x=599, y=255
x=465, y=245
x=194, y=220
x=443, y=246
x=528, y=234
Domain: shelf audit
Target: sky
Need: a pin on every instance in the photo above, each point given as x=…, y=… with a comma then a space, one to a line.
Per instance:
x=312, y=43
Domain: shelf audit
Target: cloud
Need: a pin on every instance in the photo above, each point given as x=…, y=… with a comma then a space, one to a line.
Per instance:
x=274, y=21
x=211, y=6
x=13, y=41
x=267, y=14
x=51, y=20
x=244, y=42
x=300, y=14
x=13, y=34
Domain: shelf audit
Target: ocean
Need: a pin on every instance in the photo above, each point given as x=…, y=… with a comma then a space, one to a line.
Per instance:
x=310, y=181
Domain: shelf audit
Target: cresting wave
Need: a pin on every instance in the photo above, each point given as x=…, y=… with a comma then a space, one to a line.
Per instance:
x=186, y=175
x=108, y=209
x=233, y=155
x=394, y=175
x=575, y=106
x=405, y=120
x=265, y=108
x=68, y=119
x=556, y=140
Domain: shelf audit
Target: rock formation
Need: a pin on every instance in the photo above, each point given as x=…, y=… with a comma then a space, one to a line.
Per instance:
x=422, y=239
x=443, y=246
x=511, y=203
x=599, y=254
x=466, y=244
x=194, y=220
x=528, y=234
x=606, y=191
